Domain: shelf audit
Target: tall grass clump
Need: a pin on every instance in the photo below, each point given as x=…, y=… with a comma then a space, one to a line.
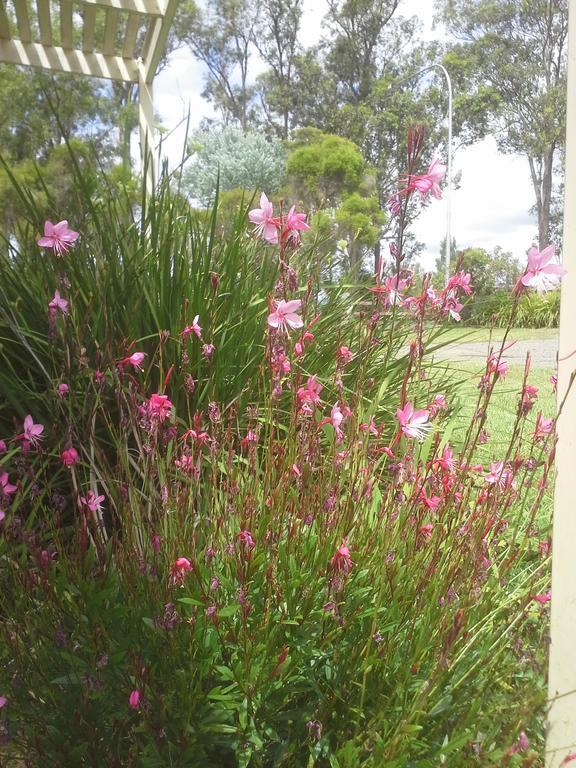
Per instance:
x=239, y=525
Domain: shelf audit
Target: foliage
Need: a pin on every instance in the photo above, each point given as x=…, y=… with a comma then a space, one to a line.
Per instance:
x=233, y=159
x=279, y=573
x=329, y=174
x=533, y=311
x=490, y=272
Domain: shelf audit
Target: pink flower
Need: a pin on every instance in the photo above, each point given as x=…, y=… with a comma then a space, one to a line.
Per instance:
x=542, y=428
x=499, y=475
x=266, y=224
x=246, y=540
x=453, y=307
x=134, y=700
x=311, y=392
x=342, y=562
x=529, y=396
x=136, y=359
x=426, y=531
x=295, y=223
x=160, y=407
x=543, y=598
x=208, y=351
x=428, y=182
x=92, y=501
x=286, y=314
x=344, y=355
x=438, y=404
x=337, y=416
x=461, y=280
x=69, y=457
x=63, y=389
x=32, y=431
x=446, y=461
x=499, y=367
x=194, y=328
x=413, y=423
x=180, y=567
x=540, y=273
x=58, y=237
x=394, y=204
x=3, y=701
x=58, y=303
x=250, y=439
x=6, y=488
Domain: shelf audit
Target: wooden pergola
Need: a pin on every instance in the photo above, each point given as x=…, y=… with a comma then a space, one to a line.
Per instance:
x=114, y=39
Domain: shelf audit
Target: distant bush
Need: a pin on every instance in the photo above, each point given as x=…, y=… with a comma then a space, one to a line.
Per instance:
x=534, y=310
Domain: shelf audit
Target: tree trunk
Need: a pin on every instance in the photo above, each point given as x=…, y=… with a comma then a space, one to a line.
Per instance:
x=544, y=212
x=542, y=178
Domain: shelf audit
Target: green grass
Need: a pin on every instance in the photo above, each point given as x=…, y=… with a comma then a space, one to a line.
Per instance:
x=502, y=411
x=468, y=334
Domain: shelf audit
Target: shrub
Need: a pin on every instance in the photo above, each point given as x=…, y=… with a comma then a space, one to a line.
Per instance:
x=533, y=311
x=284, y=565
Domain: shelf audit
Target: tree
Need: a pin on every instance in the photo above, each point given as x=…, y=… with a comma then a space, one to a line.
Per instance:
x=515, y=50
x=322, y=169
x=277, y=42
x=330, y=176
x=222, y=36
x=246, y=161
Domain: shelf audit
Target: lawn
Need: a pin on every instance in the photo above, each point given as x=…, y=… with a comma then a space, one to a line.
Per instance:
x=469, y=334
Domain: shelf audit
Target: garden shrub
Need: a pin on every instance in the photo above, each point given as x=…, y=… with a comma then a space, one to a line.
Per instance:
x=277, y=551
x=532, y=311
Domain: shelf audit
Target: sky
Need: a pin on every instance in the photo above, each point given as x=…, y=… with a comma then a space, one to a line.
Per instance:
x=491, y=205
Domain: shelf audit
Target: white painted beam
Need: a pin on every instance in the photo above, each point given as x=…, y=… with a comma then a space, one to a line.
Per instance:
x=561, y=739
x=132, y=28
x=44, y=21
x=89, y=27
x=110, y=31
x=66, y=25
x=60, y=59
x=146, y=123
x=159, y=37
x=147, y=7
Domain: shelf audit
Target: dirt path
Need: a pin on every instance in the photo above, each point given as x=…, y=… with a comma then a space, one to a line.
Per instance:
x=543, y=352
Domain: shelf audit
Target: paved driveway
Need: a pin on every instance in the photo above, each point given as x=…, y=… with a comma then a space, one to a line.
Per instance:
x=543, y=352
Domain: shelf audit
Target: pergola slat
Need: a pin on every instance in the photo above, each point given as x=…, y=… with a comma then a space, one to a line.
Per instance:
x=4, y=25
x=145, y=7
x=89, y=27
x=132, y=28
x=44, y=21
x=23, y=20
x=149, y=36
x=66, y=35
x=63, y=60
x=110, y=31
